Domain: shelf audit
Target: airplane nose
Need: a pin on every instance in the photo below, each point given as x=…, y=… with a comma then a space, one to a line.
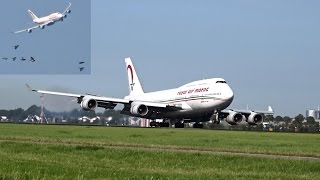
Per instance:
x=229, y=94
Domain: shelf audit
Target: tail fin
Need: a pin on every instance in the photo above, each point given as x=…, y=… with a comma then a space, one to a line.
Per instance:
x=33, y=16
x=135, y=87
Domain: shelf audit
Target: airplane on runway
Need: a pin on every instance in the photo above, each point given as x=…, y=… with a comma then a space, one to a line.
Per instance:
x=197, y=101
x=49, y=20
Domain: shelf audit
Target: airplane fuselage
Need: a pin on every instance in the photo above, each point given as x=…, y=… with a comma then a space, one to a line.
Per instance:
x=196, y=99
x=52, y=17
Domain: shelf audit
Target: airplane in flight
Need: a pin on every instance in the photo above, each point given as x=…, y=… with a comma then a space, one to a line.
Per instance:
x=23, y=59
x=198, y=101
x=81, y=68
x=4, y=58
x=14, y=58
x=49, y=20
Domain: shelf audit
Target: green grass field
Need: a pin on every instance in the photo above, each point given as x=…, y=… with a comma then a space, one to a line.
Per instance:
x=89, y=152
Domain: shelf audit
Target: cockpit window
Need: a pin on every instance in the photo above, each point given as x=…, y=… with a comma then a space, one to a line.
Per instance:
x=222, y=82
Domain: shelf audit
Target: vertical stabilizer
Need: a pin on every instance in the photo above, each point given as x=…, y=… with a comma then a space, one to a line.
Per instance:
x=33, y=16
x=135, y=87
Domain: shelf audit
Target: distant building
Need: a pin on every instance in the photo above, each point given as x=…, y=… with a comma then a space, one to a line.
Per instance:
x=312, y=113
x=144, y=122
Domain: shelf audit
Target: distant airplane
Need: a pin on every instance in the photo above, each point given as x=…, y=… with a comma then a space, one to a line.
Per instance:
x=23, y=59
x=198, y=101
x=82, y=62
x=14, y=58
x=16, y=46
x=32, y=59
x=4, y=58
x=46, y=20
x=81, y=68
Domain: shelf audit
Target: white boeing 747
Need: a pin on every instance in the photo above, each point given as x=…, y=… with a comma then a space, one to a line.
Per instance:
x=49, y=20
x=198, y=101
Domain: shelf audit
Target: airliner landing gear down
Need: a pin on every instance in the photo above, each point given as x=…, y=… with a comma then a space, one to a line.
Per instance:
x=215, y=118
x=198, y=125
x=164, y=124
x=159, y=124
x=153, y=124
x=179, y=125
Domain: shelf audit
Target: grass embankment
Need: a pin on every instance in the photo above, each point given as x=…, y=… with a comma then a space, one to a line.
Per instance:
x=80, y=152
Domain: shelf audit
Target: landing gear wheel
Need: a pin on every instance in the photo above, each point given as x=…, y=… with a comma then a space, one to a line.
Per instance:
x=164, y=124
x=197, y=125
x=153, y=124
x=179, y=125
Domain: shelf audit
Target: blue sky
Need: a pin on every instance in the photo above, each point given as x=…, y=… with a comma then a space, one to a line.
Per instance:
x=268, y=51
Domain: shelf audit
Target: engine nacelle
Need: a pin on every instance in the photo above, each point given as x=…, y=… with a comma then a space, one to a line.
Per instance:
x=42, y=26
x=29, y=30
x=69, y=11
x=234, y=118
x=88, y=104
x=65, y=16
x=255, y=118
x=138, y=109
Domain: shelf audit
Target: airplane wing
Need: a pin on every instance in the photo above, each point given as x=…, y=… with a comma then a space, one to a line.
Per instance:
x=110, y=103
x=67, y=9
x=248, y=112
x=234, y=116
x=27, y=30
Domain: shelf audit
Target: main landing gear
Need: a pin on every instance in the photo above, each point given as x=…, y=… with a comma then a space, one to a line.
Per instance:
x=179, y=124
x=159, y=124
x=198, y=125
x=215, y=118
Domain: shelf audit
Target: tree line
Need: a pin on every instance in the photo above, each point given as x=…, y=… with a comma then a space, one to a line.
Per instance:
x=298, y=123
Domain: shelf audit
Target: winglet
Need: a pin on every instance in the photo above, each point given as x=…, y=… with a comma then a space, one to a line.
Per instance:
x=270, y=109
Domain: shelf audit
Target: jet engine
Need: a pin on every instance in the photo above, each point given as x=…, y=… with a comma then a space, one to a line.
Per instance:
x=88, y=104
x=234, y=118
x=42, y=26
x=255, y=118
x=29, y=30
x=69, y=11
x=138, y=109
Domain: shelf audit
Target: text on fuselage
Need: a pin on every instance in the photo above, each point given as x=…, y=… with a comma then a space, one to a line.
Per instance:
x=193, y=91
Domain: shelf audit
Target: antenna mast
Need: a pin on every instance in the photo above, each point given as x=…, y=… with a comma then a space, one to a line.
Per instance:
x=43, y=119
